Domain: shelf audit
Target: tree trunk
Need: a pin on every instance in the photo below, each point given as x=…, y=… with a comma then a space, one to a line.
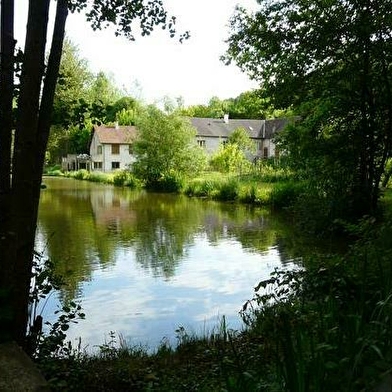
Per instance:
x=52, y=72
x=6, y=124
x=24, y=184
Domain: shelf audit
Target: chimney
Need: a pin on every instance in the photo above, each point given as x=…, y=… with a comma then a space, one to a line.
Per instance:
x=226, y=118
x=116, y=125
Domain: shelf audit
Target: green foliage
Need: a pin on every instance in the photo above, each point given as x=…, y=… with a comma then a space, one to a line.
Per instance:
x=120, y=177
x=329, y=61
x=170, y=182
x=200, y=188
x=80, y=174
x=249, y=105
x=229, y=158
x=228, y=190
x=43, y=344
x=79, y=140
x=54, y=170
x=122, y=15
x=165, y=145
x=124, y=110
x=103, y=89
x=285, y=194
x=240, y=137
x=95, y=177
x=328, y=322
x=117, y=178
x=72, y=84
x=125, y=178
x=232, y=156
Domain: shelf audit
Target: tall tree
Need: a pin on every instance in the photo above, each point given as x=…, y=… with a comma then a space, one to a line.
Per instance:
x=332, y=61
x=165, y=144
x=104, y=89
x=71, y=92
x=73, y=84
x=124, y=110
x=19, y=191
x=7, y=45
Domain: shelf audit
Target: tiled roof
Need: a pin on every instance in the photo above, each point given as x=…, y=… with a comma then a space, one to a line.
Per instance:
x=214, y=127
x=113, y=135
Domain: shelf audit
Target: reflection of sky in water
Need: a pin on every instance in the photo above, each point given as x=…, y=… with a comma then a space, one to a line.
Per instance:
x=213, y=281
x=144, y=264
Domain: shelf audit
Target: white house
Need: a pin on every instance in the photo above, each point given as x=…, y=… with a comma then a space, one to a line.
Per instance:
x=111, y=147
x=211, y=132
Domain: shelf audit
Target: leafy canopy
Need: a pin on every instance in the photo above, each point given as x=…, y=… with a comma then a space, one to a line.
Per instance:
x=123, y=13
x=165, y=144
x=233, y=155
x=330, y=61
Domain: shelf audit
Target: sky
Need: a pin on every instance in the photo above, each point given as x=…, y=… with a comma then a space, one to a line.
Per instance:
x=158, y=66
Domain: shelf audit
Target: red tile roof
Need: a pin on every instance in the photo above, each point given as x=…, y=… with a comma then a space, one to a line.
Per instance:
x=113, y=135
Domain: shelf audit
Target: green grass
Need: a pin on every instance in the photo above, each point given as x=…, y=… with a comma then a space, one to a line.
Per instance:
x=260, y=188
x=117, y=178
x=245, y=189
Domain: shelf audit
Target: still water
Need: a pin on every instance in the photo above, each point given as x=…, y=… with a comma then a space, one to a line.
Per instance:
x=143, y=264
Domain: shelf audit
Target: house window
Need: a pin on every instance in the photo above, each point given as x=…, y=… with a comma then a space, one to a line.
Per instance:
x=99, y=150
x=115, y=165
x=265, y=152
x=201, y=143
x=115, y=149
x=97, y=165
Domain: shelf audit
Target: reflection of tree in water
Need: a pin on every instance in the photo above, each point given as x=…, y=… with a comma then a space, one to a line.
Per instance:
x=72, y=241
x=165, y=229
x=160, y=251
x=92, y=222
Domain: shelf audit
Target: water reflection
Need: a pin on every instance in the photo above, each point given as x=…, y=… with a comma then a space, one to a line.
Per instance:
x=142, y=264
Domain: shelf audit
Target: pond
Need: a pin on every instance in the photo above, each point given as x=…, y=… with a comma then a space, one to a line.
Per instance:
x=144, y=264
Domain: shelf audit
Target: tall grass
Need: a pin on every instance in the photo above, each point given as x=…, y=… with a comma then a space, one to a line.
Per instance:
x=117, y=178
x=171, y=182
x=330, y=324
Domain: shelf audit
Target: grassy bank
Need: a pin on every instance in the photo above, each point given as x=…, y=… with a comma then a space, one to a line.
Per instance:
x=268, y=187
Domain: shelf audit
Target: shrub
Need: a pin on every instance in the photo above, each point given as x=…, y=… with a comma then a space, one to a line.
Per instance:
x=80, y=174
x=120, y=177
x=97, y=177
x=228, y=191
x=171, y=182
x=250, y=194
x=54, y=173
x=285, y=194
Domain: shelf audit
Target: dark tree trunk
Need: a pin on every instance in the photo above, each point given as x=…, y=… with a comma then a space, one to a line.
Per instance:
x=24, y=183
x=52, y=72
x=6, y=125
x=32, y=132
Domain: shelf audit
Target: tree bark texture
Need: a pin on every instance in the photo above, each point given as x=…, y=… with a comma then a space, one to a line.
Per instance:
x=24, y=204
x=6, y=125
